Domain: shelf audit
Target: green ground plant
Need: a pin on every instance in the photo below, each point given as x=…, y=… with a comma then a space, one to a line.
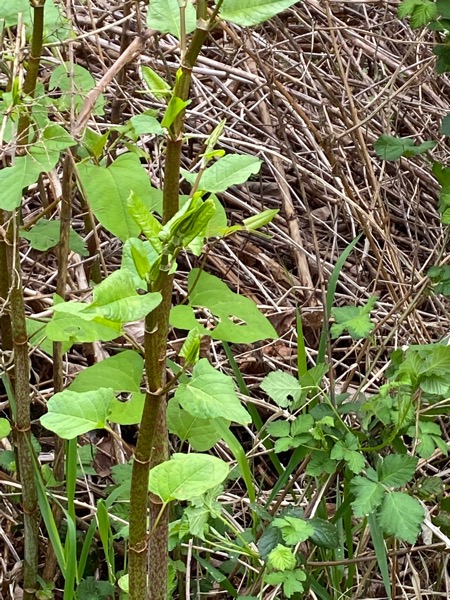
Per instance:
x=157, y=503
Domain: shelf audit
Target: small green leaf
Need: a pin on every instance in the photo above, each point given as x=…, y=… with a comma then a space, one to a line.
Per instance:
x=278, y=429
x=156, y=85
x=260, y=220
x=293, y=529
x=445, y=125
x=421, y=12
x=210, y=394
x=291, y=581
x=5, y=428
x=396, y=470
x=347, y=449
x=281, y=558
x=71, y=413
x=186, y=476
x=389, y=147
x=174, y=108
x=282, y=388
x=354, y=319
x=232, y=169
x=190, y=350
x=369, y=495
x=401, y=516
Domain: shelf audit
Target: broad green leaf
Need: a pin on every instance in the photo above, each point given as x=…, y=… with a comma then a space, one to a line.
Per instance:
x=293, y=529
x=325, y=534
x=116, y=299
x=401, y=516
x=108, y=190
x=128, y=412
x=368, y=496
x=45, y=234
x=66, y=327
x=186, y=476
x=354, y=319
x=73, y=82
x=347, y=449
x=237, y=319
x=55, y=137
x=201, y=434
x=121, y=372
x=37, y=337
x=10, y=9
x=218, y=223
x=156, y=85
x=396, y=470
x=56, y=27
x=281, y=558
x=5, y=428
x=164, y=15
x=24, y=172
x=282, y=388
x=210, y=394
x=146, y=124
x=443, y=8
x=230, y=170
x=389, y=147
x=71, y=413
x=251, y=12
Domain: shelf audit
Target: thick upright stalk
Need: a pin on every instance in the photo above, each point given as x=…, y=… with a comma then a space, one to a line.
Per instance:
x=22, y=416
x=152, y=444
x=34, y=60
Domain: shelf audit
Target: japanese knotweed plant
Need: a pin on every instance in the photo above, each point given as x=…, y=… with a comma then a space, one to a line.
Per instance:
x=155, y=226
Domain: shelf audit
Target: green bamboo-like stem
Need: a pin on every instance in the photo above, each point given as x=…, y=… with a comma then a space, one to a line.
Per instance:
x=5, y=286
x=152, y=443
x=21, y=417
x=34, y=61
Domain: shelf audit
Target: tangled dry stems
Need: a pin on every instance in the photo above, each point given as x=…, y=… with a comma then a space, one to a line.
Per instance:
x=308, y=93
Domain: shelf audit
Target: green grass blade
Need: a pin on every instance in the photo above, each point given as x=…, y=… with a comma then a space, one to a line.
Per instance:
x=50, y=524
x=239, y=454
x=87, y=544
x=380, y=551
x=70, y=552
x=302, y=361
x=71, y=475
x=104, y=529
x=331, y=291
x=256, y=417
